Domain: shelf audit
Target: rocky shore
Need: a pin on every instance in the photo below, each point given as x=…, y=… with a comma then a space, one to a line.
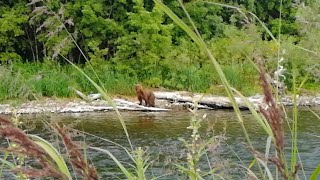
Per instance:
x=165, y=101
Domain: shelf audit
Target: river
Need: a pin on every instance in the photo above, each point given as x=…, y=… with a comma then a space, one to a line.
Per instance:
x=159, y=134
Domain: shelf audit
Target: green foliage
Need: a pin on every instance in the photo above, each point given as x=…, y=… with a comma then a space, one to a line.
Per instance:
x=113, y=81
x=12, y=18
x=99, y=31
x=12, y=86
x=306, y=63
x=270, y=118
x=146, y=42
x=233, y=75
x=196, y=148
x=133, y=41
x=269, y=13
x=47, y=79
x=29, y=80
x=239, y=45
x=53, y=35
x=207, y=19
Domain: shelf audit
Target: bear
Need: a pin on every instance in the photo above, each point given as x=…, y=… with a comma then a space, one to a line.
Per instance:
x=145, y=95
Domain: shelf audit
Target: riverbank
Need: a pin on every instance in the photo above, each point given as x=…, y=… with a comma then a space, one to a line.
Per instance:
x=165, y=101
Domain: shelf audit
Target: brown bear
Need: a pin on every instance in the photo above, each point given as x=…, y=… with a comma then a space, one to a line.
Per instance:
x=146, y=95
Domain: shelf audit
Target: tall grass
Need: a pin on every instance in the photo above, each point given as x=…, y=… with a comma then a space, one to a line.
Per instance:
x=28, y=81
x=194, y=34
x=12, y=86
x=271, y=120
x=242, y=77
x=198, y=148
x=48, y=160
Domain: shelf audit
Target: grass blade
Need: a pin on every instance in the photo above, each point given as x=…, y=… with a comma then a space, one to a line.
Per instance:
x=5, y=162
x=106, y=97
x=267, y=170
x=123, y=169
x=216, y=65
x=266, y=155
x=294, y=125
x=53, y=153
x=261, y=120
x=315, y=173
x=314, y=113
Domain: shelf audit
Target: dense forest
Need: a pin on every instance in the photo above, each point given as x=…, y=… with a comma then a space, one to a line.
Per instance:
x=130, y=41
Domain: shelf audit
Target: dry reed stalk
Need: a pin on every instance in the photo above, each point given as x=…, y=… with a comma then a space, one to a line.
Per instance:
x=272, y=113
x=29, y=148
x=87, y=171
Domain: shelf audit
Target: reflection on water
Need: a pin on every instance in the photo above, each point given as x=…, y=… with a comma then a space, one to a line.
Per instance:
x=159, y=133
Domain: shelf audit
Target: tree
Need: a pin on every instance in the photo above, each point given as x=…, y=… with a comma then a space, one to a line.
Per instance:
x=146, y=42
x=269, y=13
x=13, y=17
x=302, y=61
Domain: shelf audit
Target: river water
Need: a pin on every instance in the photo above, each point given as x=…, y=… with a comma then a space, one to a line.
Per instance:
x=159, y=134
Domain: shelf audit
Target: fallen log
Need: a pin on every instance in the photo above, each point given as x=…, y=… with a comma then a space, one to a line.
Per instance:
x=127, y=105
x=210, y=101
x=206, y=100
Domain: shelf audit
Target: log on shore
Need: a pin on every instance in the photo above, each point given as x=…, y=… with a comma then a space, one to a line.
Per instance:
x=126, y=105
x=207, y=101
x=216, y=102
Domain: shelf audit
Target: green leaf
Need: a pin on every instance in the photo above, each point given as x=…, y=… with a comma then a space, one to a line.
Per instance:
x=53, y=153
x=123, y=169
x=252, y=163
x=315, y=173
x=9, y=164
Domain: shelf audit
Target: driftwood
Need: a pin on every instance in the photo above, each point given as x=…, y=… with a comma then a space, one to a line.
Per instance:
x=79, y=93
x=93, y=97
x=224, y=102
x=90, y=97
x=120, y=103
x=199, y=106
x=179, y=97
x=206, y=101
x=126, y=105
x=216, y=102
x=182, y=97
